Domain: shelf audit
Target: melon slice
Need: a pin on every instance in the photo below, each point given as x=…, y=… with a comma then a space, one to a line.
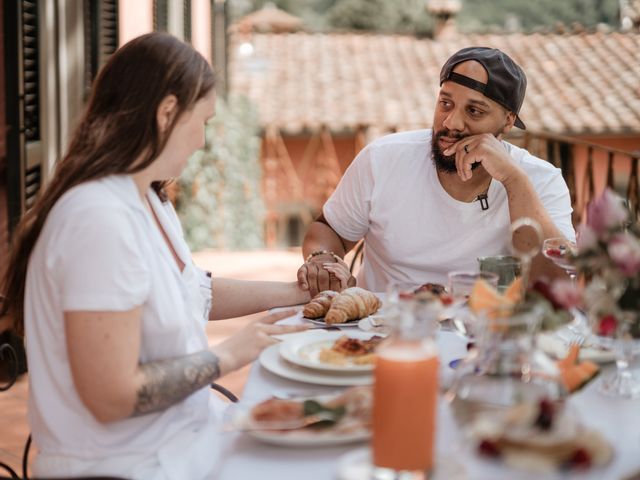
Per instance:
x=576, y=375
x=514, y=290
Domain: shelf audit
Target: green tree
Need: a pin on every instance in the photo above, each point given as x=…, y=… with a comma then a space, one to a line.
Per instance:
x=219, y=200
x=400, y=16
x=481, y=15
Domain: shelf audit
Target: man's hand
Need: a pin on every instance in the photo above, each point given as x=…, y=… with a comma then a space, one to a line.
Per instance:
x=324, y=272
x=486, y=149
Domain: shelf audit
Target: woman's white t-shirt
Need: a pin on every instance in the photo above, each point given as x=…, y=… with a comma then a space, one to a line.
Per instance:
x=100, y=250
x=413, y=230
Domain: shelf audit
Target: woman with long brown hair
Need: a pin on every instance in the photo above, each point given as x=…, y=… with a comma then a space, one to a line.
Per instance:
x=103, y=284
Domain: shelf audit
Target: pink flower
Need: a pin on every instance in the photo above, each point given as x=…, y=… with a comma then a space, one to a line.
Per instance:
x=606, y=212
x=566, y=293
x=586, y=238
x=624, y=251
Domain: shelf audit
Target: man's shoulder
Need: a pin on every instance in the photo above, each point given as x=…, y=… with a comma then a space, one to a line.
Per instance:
x=529, y=162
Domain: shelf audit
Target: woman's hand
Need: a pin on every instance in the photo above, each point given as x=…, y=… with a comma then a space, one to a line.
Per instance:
x=244, y=346
x=341, y=272
x=325, y=272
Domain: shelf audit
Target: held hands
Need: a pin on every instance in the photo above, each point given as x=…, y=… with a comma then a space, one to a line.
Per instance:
x=325, y=272
x=245, y=346
x=486, y=149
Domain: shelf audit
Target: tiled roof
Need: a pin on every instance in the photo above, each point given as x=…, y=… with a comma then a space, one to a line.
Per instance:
x=577, y=83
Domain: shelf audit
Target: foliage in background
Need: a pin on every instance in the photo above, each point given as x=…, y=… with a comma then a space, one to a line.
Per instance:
x=219, y=200
x=410, y=16
x=483, y=15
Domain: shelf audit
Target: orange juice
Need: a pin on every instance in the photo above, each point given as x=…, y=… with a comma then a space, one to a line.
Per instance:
x=404, y=408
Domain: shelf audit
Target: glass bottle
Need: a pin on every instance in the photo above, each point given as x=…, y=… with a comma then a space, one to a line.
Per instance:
x=406, y=392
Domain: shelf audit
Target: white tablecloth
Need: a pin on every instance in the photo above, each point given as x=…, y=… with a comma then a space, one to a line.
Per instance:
x=245, y=458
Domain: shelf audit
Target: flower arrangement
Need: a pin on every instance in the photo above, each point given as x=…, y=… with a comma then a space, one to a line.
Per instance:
x=608, y=254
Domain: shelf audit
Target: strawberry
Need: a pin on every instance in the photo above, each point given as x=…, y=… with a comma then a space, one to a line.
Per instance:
x=607, y=326
x=489, y=448
x=554, y=252
x=545, y=417
x=579, y=460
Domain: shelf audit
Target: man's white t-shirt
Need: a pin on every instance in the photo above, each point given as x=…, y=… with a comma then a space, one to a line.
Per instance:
x=100, y=250
x=414, y=231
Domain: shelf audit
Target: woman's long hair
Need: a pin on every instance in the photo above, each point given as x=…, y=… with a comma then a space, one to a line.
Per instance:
x=119, y=127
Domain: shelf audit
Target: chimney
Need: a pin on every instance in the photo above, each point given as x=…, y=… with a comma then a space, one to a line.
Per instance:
x=444, y=13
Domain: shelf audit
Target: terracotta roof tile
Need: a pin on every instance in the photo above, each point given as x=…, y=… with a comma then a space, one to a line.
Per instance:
x=581, y=83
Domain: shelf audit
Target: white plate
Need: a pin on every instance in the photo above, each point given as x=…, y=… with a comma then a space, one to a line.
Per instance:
x=299, y=438
x=320, y=321
x=366, y=325
x=304, y=350
x=271, y=360
x=338, y=434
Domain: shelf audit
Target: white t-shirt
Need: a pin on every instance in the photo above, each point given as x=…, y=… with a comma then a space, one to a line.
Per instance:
x=100, y=250
x=414, y=231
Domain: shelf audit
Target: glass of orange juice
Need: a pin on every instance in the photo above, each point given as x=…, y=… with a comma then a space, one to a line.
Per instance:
x=406, y=394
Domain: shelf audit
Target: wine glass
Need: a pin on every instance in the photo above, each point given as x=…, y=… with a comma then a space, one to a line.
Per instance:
x=560, y=251
x=624, y=382
x=526, y=250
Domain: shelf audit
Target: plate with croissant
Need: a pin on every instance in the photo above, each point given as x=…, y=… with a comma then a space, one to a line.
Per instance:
x=334, y=351
x=342, y=309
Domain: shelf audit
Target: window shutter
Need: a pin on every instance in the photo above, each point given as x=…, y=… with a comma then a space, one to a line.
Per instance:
x=160, y=15
x=101, y=36
x=30, y=71
x=186, y=12
x=23, y=115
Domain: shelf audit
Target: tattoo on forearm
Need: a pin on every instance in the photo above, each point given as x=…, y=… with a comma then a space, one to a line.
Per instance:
x=169, y=381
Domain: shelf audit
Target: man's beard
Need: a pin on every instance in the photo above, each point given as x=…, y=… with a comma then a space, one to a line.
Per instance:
x=447, y=163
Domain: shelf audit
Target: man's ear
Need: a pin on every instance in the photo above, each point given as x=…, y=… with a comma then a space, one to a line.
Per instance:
x=509, y=122
x=166, y=112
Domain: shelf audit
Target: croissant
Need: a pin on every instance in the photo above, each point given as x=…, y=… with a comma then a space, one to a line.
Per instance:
x=319, y=305
x=352, y=304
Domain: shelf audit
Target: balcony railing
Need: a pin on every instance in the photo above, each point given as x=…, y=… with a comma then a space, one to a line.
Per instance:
x=588, y=168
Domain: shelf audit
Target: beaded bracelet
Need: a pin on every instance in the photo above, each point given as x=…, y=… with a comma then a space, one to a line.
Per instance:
x=323, y=252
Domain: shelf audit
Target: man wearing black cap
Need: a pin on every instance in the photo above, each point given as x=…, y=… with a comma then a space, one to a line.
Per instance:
x=428, y=202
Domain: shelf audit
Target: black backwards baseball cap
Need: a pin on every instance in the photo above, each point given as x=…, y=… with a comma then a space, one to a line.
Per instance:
x=506, y=84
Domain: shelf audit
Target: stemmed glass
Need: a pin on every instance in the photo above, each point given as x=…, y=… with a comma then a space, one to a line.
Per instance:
x=528, y=250
x=560, y=251
x=624, y=382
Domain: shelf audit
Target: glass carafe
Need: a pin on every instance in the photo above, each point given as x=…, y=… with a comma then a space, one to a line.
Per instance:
x=505, y=368
x=406, y=392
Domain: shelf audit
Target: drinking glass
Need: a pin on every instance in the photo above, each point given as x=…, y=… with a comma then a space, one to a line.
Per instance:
x=405, y=394
x=460, y=286
x=624, y=382
x=560, y=251
x=506, y=368
x=461, y=282
x=507, y=267
x=526, y=251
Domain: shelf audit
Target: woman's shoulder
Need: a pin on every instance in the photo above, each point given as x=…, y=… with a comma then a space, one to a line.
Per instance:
x=114, y=192
x=110, y=203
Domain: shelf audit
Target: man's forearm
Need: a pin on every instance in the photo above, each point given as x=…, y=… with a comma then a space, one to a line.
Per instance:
x=321, y=236
x=524, y=202
x=167, y=382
